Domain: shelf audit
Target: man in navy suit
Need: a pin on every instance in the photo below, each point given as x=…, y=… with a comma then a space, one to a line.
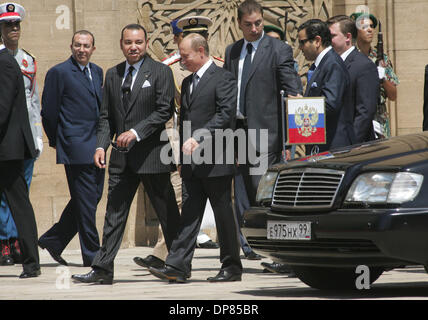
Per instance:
x=363, y=74
x=70, y=112
x=328, y=77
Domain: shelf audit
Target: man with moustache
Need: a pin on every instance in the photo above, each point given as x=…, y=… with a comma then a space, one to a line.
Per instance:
x=138, y=100
x=70, y=111
x=328, y=77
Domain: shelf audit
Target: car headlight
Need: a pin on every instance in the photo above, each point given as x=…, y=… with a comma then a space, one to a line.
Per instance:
x=385, y=187
x=266, y=185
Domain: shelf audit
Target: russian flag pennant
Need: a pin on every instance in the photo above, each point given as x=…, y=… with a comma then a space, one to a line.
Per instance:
x=306, y=120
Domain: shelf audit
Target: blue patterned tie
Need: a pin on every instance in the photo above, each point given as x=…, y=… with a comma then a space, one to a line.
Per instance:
x=311, y=71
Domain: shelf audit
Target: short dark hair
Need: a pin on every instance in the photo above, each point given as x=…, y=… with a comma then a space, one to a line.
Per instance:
x=316, y=27
x=346, y=25
x=134, y=26
x=85, y=32
x=249, y=6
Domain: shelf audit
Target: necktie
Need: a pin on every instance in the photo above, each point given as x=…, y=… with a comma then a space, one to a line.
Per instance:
x=244, y=79
x=86, y=72
x=126, y=88
x=311, y=72
x=195, y=81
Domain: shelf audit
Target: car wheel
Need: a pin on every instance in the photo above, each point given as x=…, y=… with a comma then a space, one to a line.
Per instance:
x=324, y=278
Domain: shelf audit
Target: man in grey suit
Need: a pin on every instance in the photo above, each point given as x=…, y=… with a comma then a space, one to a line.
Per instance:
x=363, y=75
x=263, y=66
x=328, y=77
x=138, y=100
x=208, y=103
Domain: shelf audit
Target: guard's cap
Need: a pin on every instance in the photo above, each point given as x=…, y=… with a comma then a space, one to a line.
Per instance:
x=357, y=15
x=270, y=28
x=10, y=11
x=196, y=24
x=175, y=29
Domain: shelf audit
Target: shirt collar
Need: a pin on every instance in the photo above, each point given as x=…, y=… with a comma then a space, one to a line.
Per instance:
x=135, y=65
x=82, y=67
x=254, y=43
x=321, y=55
x=347, y=53
x=204, y=68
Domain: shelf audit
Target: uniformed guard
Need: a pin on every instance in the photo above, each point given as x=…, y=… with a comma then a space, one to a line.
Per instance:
x=11, y=15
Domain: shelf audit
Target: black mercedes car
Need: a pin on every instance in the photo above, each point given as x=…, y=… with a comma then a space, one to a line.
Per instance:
x=327, y=214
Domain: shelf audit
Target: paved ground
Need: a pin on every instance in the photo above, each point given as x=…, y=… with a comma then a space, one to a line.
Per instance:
x=135, y=283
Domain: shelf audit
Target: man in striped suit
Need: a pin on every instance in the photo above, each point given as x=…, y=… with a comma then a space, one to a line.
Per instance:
x=138, y=100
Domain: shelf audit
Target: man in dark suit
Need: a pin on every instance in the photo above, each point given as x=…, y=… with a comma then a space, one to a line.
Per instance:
x=208, y=103
x=263, y=67
x=70, y=112
x=363, y=75
x=328, y=77
x=138, y=100
x=16, y=144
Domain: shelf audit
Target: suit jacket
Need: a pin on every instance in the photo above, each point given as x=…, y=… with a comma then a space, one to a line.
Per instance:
x=272, y=70
x=425, y=122
x=331, y=80
x=364, y=94
x=16, y=140
x=70, y=111
x=151, y=105
x=211, y=106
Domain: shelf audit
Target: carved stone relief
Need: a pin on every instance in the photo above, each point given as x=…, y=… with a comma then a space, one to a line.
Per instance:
x=156, y=15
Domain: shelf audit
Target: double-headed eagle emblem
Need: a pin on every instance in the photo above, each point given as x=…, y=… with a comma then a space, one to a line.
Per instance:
x=306, y=119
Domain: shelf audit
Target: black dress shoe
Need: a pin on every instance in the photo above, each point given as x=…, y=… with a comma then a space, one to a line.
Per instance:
x=149, y=261
x=224, y=276
x=32, y=274
x=253, y=256
x=207, y=245
x=95, y=276
x=276, y=267
x=169, y=273
x=54, y=255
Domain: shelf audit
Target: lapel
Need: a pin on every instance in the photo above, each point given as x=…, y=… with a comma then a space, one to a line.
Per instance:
x=317, y=71
x=202, y=82
x=258, y=56
x=142, y=76
x=80, y=76
x=235, y=54
x=117, y=84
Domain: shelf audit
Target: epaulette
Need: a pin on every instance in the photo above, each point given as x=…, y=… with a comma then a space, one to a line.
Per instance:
x=172, y=58
x=218, y=58
x=31, y=55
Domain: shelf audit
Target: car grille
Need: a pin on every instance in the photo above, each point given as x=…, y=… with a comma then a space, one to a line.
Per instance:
x=306, y=188
x=320, y=245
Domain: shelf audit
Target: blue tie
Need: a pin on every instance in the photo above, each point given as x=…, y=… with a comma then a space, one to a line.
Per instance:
x=244, y=79
x=86, y=72
x=311, y=71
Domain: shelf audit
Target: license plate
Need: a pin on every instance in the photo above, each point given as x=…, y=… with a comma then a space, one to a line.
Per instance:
x=286, y=230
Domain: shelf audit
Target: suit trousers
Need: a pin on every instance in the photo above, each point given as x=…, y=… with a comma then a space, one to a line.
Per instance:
x=122, y=189
x=13, y=184
x=196, y=191
x=7, y=225
x=85, y=183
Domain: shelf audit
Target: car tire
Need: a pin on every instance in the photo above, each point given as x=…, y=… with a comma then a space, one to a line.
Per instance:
x=325, y=278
